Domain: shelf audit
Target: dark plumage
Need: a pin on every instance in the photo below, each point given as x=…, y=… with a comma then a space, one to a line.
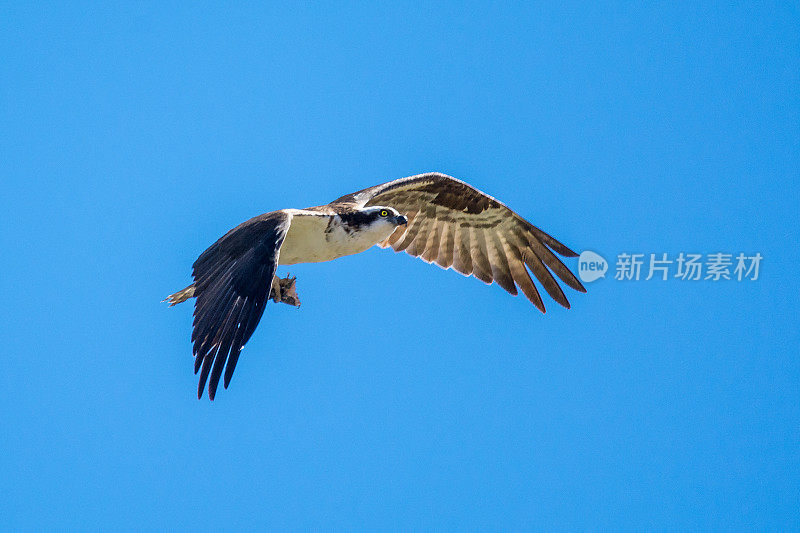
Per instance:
x=232, y=281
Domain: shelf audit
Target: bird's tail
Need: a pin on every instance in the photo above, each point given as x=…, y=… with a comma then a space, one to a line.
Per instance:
x=180, y=296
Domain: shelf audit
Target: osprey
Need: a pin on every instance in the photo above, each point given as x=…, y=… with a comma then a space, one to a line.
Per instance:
x=432, y=216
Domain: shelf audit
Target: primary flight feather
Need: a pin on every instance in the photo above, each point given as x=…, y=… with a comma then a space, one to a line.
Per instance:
x=432, y=216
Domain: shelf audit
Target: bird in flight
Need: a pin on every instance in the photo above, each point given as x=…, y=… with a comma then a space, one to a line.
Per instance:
x=435, y=217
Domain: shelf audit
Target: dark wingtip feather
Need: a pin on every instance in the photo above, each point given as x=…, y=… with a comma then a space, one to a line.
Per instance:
x=536, y=300
x=566, y=252
x=207, y=360
x=230, y=367
x=558, y=246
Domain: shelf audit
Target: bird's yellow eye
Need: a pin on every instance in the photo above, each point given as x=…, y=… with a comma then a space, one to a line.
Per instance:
x=384, y=213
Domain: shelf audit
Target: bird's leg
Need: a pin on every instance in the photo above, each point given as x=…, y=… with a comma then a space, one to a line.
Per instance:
x=283, y=290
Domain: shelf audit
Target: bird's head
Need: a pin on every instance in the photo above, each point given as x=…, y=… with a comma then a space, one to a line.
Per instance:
x=384, y=215
x=373, y=223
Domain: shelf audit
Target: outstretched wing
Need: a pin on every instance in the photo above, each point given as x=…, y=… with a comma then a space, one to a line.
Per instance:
x=452, y=224
x=232, y=284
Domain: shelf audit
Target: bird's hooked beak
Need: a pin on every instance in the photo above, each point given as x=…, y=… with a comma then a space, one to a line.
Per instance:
x=400, y=220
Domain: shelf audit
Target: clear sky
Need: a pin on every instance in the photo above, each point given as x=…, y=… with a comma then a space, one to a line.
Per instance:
x=399, y=394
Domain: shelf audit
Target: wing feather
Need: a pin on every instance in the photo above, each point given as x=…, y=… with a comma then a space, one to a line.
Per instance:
x=402, y=230
x=226, y=344
x=554, y=263
x=203, y=375
x=497, y=259
x=462, y=259
x=417, y=246
x=445, y=257
x=410, y=234
x=432, y=246
x=481, y=267
x=521, y=276
x=534, y=262
x=208, y=314
x=238, y=343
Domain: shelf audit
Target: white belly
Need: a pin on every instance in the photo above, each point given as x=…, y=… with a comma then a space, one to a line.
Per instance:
x=315, y=238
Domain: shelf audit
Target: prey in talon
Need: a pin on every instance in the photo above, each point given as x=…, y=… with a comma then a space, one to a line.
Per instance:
x=283, y=290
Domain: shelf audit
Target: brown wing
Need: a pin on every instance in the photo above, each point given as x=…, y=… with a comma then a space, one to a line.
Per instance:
x=452, y=224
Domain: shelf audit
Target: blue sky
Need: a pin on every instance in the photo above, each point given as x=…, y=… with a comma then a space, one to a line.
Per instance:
x=400, y=395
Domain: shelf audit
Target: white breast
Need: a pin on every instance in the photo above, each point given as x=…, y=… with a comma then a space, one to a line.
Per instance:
x=313, y=237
